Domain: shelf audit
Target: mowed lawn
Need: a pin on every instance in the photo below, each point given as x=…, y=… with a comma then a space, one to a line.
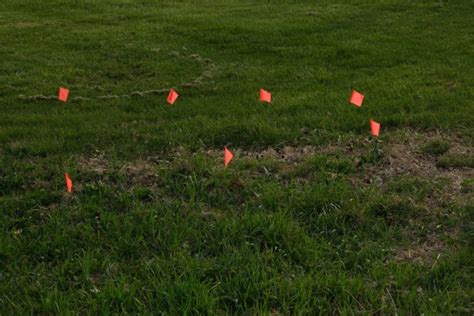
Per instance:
x=312, y=216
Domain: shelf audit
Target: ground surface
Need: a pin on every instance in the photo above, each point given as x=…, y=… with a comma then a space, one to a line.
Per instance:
x=312, y=216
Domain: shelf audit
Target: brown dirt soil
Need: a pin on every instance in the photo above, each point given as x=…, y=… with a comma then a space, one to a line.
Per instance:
x=405, y=158
x=140, y=172
x=425, y=251
x=97, y=163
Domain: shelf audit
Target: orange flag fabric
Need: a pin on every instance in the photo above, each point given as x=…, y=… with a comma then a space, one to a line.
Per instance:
x=63, y=94
x=356, y=98
x=265, y=96
x=228, y=155
x=374, y=128
x=68, y=182
x=172, y=96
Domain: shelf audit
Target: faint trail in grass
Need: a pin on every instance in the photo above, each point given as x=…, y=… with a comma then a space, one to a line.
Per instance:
x=208, y=66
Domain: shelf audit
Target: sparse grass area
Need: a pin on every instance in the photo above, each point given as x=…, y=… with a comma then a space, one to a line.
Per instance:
x=436, y=147
x=468, y=185
x=453, y=161
x=312, y=216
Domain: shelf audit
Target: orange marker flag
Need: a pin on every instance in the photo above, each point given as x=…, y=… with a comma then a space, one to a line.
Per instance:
x=172, y=96
x=265, y=96
x=374, y=128
x=68, y=182
x=228, y=155
x=63, y=94
x=356, y=98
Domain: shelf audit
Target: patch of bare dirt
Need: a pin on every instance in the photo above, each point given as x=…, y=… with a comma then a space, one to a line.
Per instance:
x=97, y=163
x=401, y=155
x=140, y=172
x=405, y=158
x=425, y=252
x=291, y=154
x=287, y=153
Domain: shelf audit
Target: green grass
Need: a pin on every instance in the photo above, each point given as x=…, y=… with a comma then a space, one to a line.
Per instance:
x=448, y=161
x=436, y=147
x=157, y=224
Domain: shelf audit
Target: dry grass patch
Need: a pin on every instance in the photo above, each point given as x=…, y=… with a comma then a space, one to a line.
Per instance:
x=141, y=173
